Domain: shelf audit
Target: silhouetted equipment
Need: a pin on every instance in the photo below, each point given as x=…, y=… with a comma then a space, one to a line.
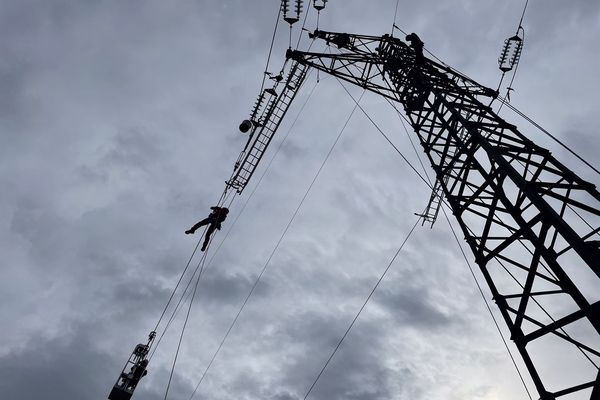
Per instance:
x=291, y=12
x=265, y=121
x=214, y=220
x=528, y=219
x=245, y=126
x=511, y=52
x=133, y=371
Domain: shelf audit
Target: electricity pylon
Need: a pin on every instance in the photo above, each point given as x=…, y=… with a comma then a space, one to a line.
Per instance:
x=531, y=223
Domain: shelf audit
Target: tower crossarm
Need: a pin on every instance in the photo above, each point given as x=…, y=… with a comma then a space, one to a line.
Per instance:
x=531, y=223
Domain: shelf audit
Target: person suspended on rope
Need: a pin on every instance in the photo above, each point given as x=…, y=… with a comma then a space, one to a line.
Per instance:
x=214, y=220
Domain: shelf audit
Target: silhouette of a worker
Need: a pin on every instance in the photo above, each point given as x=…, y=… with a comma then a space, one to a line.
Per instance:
x=417, y=44
x=214, y=220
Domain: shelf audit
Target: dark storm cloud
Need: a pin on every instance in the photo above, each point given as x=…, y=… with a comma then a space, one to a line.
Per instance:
x=52, y=368
x=118, y=127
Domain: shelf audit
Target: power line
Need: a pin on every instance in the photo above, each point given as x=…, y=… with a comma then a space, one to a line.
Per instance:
x=523, y=14
x=384, y=135
x=187, y=316
x=538, y=126
x=443, y=209
x=395, y=15
x=303, y=23
x=427, y=182
x=339, y=343
x=486, y=302
x=262, y=86
x=265, y=266
x=181, y=300
x=223, y=196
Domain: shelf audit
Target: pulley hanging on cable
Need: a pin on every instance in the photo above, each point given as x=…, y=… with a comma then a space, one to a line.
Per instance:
x=291, y=12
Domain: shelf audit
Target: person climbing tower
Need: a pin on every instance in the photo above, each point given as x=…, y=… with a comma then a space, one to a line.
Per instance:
x=417, y=44
x=214, y=220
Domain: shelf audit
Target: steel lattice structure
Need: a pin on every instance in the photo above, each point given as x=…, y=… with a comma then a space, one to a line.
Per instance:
x=530, y=222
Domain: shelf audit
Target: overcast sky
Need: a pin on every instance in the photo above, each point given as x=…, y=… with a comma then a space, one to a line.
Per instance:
x=118, y=127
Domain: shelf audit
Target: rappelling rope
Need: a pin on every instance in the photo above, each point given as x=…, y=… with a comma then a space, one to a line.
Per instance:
x=204, y=267
x=243, y=208
x=199, y=266
x=181, y=299
x=214, y=356
x=191, y=302
x=187, y=316
x=223, y=196
x=360, y=311
x=286, y=229
x=283, y=141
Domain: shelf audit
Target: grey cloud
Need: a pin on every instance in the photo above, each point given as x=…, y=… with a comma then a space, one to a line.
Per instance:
x=118, y=127
x=411, y=306
x=54, y=367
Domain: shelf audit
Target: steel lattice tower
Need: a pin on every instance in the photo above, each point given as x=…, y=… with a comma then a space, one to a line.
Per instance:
x=530, y=222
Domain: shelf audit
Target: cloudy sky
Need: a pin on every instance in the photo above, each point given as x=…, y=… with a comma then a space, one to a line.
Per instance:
x=118, y=127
